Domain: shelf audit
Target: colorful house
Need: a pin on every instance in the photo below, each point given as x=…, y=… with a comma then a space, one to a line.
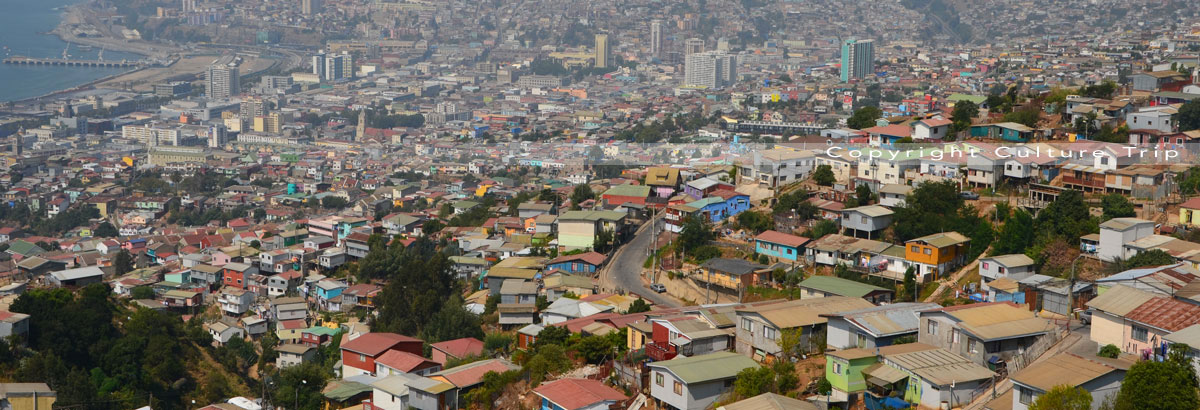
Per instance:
x=1189, y=212
x=780, y=245
x=622, y=194
x=936, y=254
x=587, y=262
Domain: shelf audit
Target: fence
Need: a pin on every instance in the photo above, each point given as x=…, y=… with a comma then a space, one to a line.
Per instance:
x=1022, y=360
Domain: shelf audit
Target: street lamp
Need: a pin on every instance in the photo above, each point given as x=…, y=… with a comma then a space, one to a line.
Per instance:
x=296, y=404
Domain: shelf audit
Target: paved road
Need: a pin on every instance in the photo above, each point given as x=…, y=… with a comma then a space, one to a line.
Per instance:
x=624, y=270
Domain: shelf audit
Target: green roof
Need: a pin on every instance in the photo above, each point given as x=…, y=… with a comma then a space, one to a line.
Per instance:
x=628, y=190
x=467, y=260
x=700, y=204
x=839, y=286
x=322, y=331
x=708, y=367
x=977, y=99
x=20, y=247
x=342, y=390
x=591, y=216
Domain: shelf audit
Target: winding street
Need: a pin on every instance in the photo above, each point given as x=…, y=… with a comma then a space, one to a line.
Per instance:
x=623, y=271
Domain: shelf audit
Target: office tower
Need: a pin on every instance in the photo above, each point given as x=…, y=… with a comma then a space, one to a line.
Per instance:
x=223, y=82
x=334, y=63
x=692, y=46
x=218, y=136
x=189, y=6
x=310, y=7
x=656, y=38
x=252, y=107
x=347, y=65
x=270, y=123
x=318, y=64
x=722, y=44
x=603, y=51
x=858, y=59
x=712, y=69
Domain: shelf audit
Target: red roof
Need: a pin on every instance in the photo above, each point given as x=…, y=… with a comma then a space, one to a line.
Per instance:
x=471, y=374
x=578, y=393
x=293, y=324
x=1193, y=203
x=895, y=130
x=937, y=122
x=782, y=239
x=404, y=361
x=460, y=348
x=1166, y=313
x=372, y=344
x=593, y=258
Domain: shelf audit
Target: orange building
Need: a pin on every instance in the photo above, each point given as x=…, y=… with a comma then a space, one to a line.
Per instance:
x=936, y=254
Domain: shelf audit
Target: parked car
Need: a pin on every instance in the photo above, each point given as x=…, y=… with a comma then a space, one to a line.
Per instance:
x=1085, y=317
x=968, y=195
x=658, y=287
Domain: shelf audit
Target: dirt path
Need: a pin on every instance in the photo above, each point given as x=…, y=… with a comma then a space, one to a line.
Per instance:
x=947, y=283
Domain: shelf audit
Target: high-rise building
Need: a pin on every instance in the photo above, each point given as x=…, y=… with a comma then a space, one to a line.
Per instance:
x=310, y=7
x=223, y=81
x=318, y=64
x=656, y=38
x=692, y=46
x=330, y=67
x=712, y=69
x=858, y=59
x=218, y=136
x=252, y=107
x=270, y=123
x=189, y=6
x=603, y=51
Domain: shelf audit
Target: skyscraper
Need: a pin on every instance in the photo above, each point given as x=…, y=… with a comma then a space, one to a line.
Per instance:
x=712, y=69
x=189, y=6
x=310, y=7
x=603, y=51
x=692, y=46
x=318, y=64
x=656, y=38
x=858, y=59
x=223, y=81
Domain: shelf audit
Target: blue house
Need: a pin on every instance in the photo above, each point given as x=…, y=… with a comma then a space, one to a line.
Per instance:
x=1007, y=131
x=780, y=245
x=713, y=207
x=329, y=289
x=581, y=263
x=735, y=203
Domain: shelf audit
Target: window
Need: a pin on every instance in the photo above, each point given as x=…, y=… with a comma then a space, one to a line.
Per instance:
x=929, y=251
x=985, y=265
x=862, y=341
x=747, y=325
x=915, y=249
x=864, y=219
x=1140, y=333
x=954, y=336
x=972, y=346
x=362, y=358
x=770, y=333
x=837, y=368
x=932, y=327
x=679, y=388
x=658, y=379
x=1001, y=269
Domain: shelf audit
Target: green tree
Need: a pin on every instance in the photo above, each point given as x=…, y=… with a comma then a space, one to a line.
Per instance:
x=1116, y=206
x=581, y=193
x=1157, y=386
x=142, y=292
x=302, y=384
x=963, y=115
x=123, y=262
x=696, y=233
x=1068, y=216
x=105, y=230
x=453, y=321
x=910, y=283
x=1063, y=397
x=1189, y=115
x=638, y=306
x=755, y=221
x=822, y=228
x=552, y=335
x=1153, y=257
x=604, y=241
x=1110, y=351
x=754, y=381
x=823, y=175
x=1016, y=234
x=864, y=117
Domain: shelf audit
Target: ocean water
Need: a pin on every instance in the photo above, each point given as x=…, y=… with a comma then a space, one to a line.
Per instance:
x=21, y=25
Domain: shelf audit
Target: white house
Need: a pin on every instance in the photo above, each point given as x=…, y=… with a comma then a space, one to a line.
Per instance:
x=696, y=382
x=1015, y=267
x=1116, y=232
x=1100, y=376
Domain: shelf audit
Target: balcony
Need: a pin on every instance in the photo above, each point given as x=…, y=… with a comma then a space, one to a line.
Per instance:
x=658, y=353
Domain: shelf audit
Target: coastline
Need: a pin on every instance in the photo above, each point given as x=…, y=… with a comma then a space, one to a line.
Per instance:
x=74, y=14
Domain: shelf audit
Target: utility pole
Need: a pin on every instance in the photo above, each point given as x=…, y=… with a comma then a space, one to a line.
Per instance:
x=1071, y=292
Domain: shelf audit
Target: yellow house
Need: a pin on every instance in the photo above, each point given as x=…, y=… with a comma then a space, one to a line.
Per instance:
x=1189, y=212
x=637, y=333
x=936, y=254
x=26, y=396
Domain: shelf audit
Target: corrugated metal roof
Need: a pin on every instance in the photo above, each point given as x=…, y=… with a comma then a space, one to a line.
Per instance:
x=939, y=366
x=999, y=321
x=769, y=401
x=702, y=368
x=1013, y=260
x=1061, y=369
x=839, y=286
x=1120, y=300
x=887, y=320
x=805, y=312
x=1166, y=313
x=1189, y=335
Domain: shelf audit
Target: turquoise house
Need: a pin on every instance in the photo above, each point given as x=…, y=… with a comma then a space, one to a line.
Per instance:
x=780, y=245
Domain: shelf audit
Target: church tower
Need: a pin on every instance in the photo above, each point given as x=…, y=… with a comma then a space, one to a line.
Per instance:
x=360, y=132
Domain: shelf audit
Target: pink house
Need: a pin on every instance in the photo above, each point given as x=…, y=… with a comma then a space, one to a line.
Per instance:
x=1136, y=320
x=442, y=352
